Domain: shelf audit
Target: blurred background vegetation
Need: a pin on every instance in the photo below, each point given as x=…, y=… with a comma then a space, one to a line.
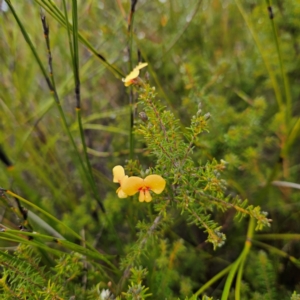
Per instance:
x=239, y=59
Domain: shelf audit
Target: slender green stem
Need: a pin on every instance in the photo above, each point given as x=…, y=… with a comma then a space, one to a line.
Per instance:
x=66, y=20
x=92, y=250
x=131, y=134
x=131, y=98
x=75, y=61
x=213, y=280
x=27, y=39
x=53, y=10
x=278, y=236
x=278, y=252
x=283, y=73
x=40, y=239
x=57, y=101
x=292, y=138
x=262, y=53
x=239, y=276
x=89, y=177
x=90, y=172
x=239, y=260
x=23, y=200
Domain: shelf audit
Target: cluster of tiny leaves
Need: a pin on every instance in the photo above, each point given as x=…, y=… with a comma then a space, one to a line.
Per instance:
x=193, y=188
x=23, y=277
x=137, y=291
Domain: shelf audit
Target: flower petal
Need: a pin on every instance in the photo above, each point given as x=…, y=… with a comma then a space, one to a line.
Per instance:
x=129, y=79
x=131, y=185
x=132, y=75
x=119, y=173
x=155, y=182
x=121, y=193
x=130, y=82
x=148, y=196
x=142, y=196
x=141, y=66
x=145, y=196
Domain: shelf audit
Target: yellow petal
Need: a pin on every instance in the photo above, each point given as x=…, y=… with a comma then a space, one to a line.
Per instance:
x=142, y=196
x=123, y=179
x=121, y=193
x=148, y=197
x=141, y=66
x=131, y=185
x=155, y=182
x=145, y=196
x=119, y=173
x=128, y=80
x=132, y=75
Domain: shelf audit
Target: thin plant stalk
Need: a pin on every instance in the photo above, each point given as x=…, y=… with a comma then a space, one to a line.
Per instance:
x=75, y=61
x=27, y=202
x=90, y=248
x=57, y=101
x=278, y=252
x=283, y=73
x=239, y=276
x=212, y=281
x=131, y=99
x=54, y=11
x=240, y=260
x=68, y=30
x=263, y=56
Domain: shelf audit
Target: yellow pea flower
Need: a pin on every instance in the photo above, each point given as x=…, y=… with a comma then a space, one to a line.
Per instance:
x=120, y=177
x=154, y=183
x=134, y=74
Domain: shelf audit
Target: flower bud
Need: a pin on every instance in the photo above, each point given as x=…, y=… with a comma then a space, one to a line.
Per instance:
x=207, y=116
x=143, y=116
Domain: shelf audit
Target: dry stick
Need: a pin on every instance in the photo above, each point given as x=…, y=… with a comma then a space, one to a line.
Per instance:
x=46, y=35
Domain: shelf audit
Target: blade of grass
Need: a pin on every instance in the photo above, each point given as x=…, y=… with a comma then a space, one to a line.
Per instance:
x=75, y=60
x=278, y=252
x=212, y=281
x=283, y=73
x=54, y=11
x=264, y=56
x=89, y=172
x=278, y=236
x=39, y=240
x=27, y=202
x=57, y=101
x=131, y=99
